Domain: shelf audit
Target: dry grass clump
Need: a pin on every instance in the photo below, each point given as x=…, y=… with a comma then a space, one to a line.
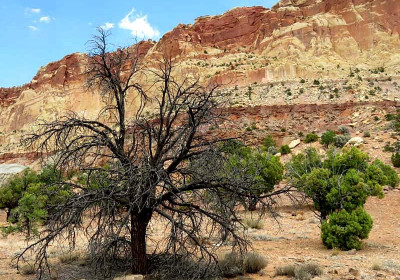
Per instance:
x=70, y=257
x=300, y=217
x=254, y=262
x=233, y=264
x=180, y=267
x=308, y=271
x=264, y=237
x=27, y=269
x=300, y=272
x=287, y=270
x=255, y=223
x=302, y=275
x=376, y=266
x=335, y=252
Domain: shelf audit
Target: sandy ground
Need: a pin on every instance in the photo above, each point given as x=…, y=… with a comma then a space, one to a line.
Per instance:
x=296, y=239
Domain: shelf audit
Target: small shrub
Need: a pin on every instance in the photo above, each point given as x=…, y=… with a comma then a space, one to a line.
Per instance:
x=69, y=257
x=287, y=270
x=328, y=138
x=367, y=134
x=179, y=267
x=273, y=150
x=344, y=230
x=302, y=81
x=300, y=272
x=302, y=275
x=376, y=266
x=341, y=140
x=268, y=142
x=27, y=269
x=390, y=176
x=254, y=262
x=388, y=148
x=390, y=117
x=301, y=134
x=335, y=252
x=252, y=127
x=311, y=137
x=344, y=129
x=312, y=269
x=285, y=150
x=231, y=265
x=396, y=159
x=316, y=83
x=255, y=223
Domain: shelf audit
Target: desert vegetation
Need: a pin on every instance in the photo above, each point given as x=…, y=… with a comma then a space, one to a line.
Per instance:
x=27, y=197
x=111, y=181
x=124, y=172
x=339, y=186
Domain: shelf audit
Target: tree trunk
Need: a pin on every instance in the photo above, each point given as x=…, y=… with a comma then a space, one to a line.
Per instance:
x=324, y=216
x=252, y=204
x=139, y=224
x=8, y=213
x=28, y=227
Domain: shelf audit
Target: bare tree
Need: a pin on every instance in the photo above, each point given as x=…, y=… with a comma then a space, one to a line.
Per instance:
x=150, y=166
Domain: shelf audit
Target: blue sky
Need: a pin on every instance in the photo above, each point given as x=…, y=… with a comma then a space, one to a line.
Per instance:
x=36, y=32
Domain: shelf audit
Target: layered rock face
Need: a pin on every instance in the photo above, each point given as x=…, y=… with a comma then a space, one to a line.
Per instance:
x=293, y=39
x=296, y=39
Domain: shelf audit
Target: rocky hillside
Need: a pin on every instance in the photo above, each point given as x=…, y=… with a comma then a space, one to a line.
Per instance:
x=300, y=52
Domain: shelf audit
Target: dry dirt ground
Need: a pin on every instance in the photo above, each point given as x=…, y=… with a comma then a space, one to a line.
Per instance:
x=296, y=239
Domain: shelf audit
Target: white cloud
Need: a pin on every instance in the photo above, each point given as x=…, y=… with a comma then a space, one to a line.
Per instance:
x=33, y=28
x=33, y=10
x=138, y=25
x=107, y=26
x=45, y=19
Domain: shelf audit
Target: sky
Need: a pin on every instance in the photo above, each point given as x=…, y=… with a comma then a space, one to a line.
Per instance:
x=36, y=32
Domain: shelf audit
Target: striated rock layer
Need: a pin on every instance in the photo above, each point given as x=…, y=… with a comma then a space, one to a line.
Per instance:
x=296, y=39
